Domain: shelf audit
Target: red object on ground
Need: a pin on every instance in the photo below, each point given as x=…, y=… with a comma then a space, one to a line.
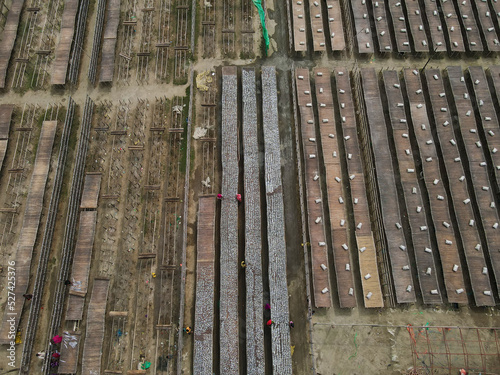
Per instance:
x=57, y=339
x=269, y=322
x=238, y=197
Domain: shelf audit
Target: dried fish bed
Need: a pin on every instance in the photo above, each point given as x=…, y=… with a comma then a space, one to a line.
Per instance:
x=382, y=26
x=350, y=142
x=434, y=183
x=473, y=39
x=459, y=194
x=434, y=24
x=181, y=44
x=280, y=331
x=229, y=329
x=208, y=24
x=473, y=152
x=316, y=18
x=129, y=25
x=417, y=28
x=96, y=45
x=51, y=27
x=25, y=246
x=315, y=214
x=399, y=25
x=148, y=13
x=163, y=45
x=9, y=35
x=253, y=235
x=228, y=28
x=336, y=186
x=299, y=26
x=205, y=287
x=485, y=22
x=247, y=30
x=452, y=23
x=336, y=25
x=414, y=201
x=362, y=29
x=27, y=43
x=490, y=128
x=396, y=242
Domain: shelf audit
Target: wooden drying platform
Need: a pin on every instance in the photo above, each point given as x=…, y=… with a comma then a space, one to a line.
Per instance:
x=479, y=174
x=69, y=353
x=435, y=26
x=485, y=22
x=83, y=253
x=362, y=28
x=452, y=23
x=205, y=286
x=75, y=307
x=396, y=242
x=253, y=228
x=413, y=199
x=494, y=73
x=94, y=337
x=399, y=25
x=382, y=26
x=299, y=26
x=473, y=39
x=31, y=221
x=5, y=120
x=109, y=42
x=364, y=236
x=335, y=23
x=486, y=107
x=9, y=38
x=459, y=193
x=336, y=186
x=229, y=267
x=318, y=35
x=315, y=215
x=439, y=209
x=91, y=188
x=417, y=27
x=60, y=65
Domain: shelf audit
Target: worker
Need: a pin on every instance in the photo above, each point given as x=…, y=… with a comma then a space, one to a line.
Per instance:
x=243, y=264
x=56, y=354
x=219, y=196
x=41, y=355
x=462, y=372
x=291, y=324
x=28, y=296
x=267, y=306
x=153, y=274
x=269, y=323
x=188, y=330
x=238, y=197
x=67, y=282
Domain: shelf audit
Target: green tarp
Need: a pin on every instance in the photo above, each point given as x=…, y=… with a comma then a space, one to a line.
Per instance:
x=262, y=15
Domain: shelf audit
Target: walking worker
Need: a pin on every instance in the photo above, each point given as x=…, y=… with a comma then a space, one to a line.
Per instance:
x=269, y=323
x=238, y=197
x=41, y=355
x=219, y=196
x=243, y=264
x=267, y=306
x=291, y=324
x=188, y=330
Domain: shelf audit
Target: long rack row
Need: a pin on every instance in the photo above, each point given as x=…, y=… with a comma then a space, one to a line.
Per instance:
x=336, y=188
